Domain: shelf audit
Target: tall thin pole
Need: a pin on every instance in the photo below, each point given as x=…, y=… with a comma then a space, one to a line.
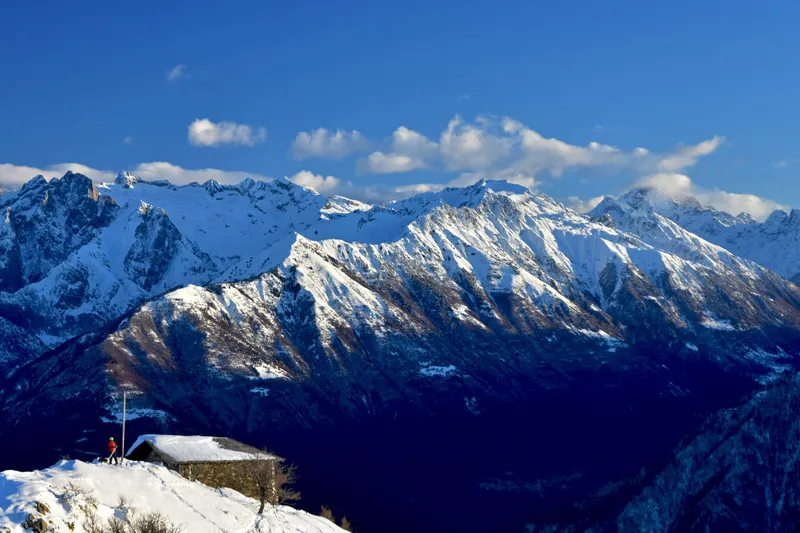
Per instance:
x=124, y=412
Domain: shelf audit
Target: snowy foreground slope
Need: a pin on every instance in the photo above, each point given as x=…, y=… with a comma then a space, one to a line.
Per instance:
x=149, y=488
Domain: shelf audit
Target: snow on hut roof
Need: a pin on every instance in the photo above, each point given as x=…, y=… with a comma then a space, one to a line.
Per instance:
x=199, y=449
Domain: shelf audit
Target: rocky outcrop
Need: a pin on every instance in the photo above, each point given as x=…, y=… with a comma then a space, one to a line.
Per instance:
x=47, y=221
x=157, y=244
x=35, y=523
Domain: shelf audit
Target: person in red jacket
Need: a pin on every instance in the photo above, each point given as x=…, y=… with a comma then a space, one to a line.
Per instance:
x=112, y=450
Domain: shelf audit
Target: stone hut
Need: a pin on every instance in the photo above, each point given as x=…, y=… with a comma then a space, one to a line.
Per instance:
x=214, y=461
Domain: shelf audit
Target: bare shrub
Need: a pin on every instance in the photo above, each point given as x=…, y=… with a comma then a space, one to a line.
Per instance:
x=71, y=493
x=123, y=502
x=326, y=513
x=153, y=523
x=91, y=523
x=115, y=525
x=273, y=478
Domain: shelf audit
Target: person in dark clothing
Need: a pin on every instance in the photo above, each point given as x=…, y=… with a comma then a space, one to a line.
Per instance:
x=112, y=450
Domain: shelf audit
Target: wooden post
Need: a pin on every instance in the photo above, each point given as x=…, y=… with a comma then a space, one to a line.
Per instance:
x=273, y=480
x=124, y=413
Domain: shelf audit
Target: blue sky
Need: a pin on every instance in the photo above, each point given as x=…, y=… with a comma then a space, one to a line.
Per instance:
x=513, y=90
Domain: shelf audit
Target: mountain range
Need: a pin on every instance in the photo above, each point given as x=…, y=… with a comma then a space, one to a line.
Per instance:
x=480, y=345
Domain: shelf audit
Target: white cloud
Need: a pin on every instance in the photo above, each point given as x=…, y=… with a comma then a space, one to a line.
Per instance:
x=14, y=176
x=318, y=182
x=675, y=185
x=678, y=185
x=413, y=144
x=380, y=163
x=417, y=188
x=533, y=154
x=162, y=170
x=497, y=147
x=686, y=156
x=471, y=146
x=128, y=140
x=583, y=206
x=176, y=73
x=56, y=171
x=409, y=150
x=203, y=132
x=322, y=143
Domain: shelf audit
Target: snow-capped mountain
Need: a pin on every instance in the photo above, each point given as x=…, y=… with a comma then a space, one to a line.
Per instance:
x=774, y=243
x=66, y=494
x=427, y=330
x=75, y=255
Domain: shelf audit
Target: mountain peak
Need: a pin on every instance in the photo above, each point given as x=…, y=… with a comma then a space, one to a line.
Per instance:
x=213, y=186
x=498, y=186
x=652, y=198
x=778, y=217
x=126, y=179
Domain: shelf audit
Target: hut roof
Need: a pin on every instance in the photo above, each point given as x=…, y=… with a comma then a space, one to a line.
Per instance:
x=199, y=449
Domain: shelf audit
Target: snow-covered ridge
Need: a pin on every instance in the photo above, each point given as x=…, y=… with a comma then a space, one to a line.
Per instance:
x=148, y=488
x=774, y=243
x=122, y=243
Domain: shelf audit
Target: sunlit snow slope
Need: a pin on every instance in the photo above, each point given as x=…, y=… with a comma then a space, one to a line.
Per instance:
x=149, y=488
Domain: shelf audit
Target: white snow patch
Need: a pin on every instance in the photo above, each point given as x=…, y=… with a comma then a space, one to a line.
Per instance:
x=115, y=417
x=611, y=342
x=462, y=312
x=267, y=371
x=692, y=346
x=261, y=391
x=441, y=371
x=722, y=325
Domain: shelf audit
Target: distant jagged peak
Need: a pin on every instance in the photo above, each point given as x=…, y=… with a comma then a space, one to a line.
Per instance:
x=146, y=210
x=341, y=205
x=248, y=184
x=678, y=207
x=651, y=197
x=37, y=182
x=213, y=187
x=467, y=196
x=71, y=187
x=779, y=220
x=126, y=179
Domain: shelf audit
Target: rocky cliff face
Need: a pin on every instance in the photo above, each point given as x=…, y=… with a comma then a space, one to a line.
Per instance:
x=75, y=256
x=485, y=321
x=45, y=222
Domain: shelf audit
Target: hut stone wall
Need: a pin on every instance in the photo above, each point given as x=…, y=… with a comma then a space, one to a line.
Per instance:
x=233, y=474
